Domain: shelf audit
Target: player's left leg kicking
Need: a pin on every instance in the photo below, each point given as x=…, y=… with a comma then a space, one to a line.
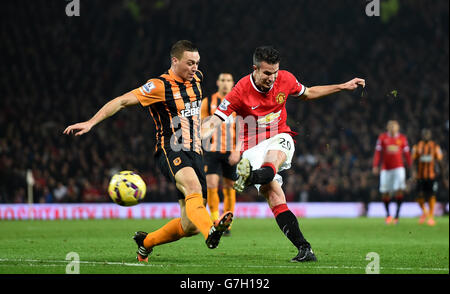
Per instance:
x=170, y=232
x=194, y=216
x=271, y=190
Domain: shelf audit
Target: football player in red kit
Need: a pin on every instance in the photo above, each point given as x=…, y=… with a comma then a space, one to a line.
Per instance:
x=259, y=99
x=390, y=149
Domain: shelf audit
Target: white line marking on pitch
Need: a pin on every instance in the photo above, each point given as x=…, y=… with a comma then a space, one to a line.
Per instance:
x=204, y=265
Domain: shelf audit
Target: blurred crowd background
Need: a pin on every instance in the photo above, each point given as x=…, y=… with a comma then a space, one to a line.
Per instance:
x=58, y=70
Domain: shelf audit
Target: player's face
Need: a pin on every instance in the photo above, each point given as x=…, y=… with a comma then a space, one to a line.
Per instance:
x=225, y=83
x=393, y=127
x=426, y=134
x=266, y=74
x=187, y=66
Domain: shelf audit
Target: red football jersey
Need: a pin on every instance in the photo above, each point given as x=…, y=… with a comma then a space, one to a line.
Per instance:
x=260, y=115
x=390, y=150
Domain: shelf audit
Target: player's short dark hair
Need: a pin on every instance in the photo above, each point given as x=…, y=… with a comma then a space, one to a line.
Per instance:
x=426, y=132
x=267, y=54
x=225, y=73
x=179, y=47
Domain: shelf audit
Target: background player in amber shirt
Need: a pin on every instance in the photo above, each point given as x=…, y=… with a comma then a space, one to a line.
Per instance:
x=260, y=100
x=221, y=156
x=390, y=148
x=173, y=101
x=424, y=155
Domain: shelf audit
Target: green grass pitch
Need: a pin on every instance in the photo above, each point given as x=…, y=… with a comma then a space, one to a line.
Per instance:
x=256, y=246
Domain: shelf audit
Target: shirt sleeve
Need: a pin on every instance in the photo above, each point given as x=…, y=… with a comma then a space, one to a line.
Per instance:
x=405, y=145
x=414, y=153
x=377, y=155
x=438, y=152
x=152, y=92
x=230, y=104
x=378, y=145
x=295, y=87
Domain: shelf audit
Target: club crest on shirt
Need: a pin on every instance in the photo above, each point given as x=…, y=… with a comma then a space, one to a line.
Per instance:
x=177, y=161
x=281, y=97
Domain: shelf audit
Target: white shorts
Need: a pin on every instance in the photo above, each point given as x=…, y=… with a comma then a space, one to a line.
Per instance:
x=392, y=180
x=256, y=154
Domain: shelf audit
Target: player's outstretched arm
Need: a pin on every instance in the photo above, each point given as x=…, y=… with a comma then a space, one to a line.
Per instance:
x=321, y=91
x=106, y=111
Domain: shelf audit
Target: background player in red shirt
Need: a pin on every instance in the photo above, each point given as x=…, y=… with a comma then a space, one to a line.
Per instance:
x=390, y=148
x=259, y=99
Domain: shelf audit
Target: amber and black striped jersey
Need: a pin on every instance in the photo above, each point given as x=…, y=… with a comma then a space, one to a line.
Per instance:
x=224, y=138
x=426, y=153
x=174, y=106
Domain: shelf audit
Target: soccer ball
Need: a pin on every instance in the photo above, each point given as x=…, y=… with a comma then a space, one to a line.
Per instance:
x=126, y=188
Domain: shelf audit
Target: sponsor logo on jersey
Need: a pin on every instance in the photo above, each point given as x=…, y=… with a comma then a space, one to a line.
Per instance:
x=191, y=109
x=392, y=148
x=426, y=158
x=269, y=118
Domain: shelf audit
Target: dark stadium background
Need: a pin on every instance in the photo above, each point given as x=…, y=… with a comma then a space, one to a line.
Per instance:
x=57, y=70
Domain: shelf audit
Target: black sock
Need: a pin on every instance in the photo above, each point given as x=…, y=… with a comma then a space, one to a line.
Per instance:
x=399, y=200
x=386, y=202
x=262, y=175
x=288, y=224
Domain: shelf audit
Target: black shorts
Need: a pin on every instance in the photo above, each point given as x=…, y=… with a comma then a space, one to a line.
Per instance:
x=170, y=162
x=427, y=187
x=217, y=163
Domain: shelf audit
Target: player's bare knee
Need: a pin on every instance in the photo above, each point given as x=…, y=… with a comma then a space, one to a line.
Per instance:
x=187, y=181
x=189, y=186
x=212, y=181
x=211, y=184
x=276, y=157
